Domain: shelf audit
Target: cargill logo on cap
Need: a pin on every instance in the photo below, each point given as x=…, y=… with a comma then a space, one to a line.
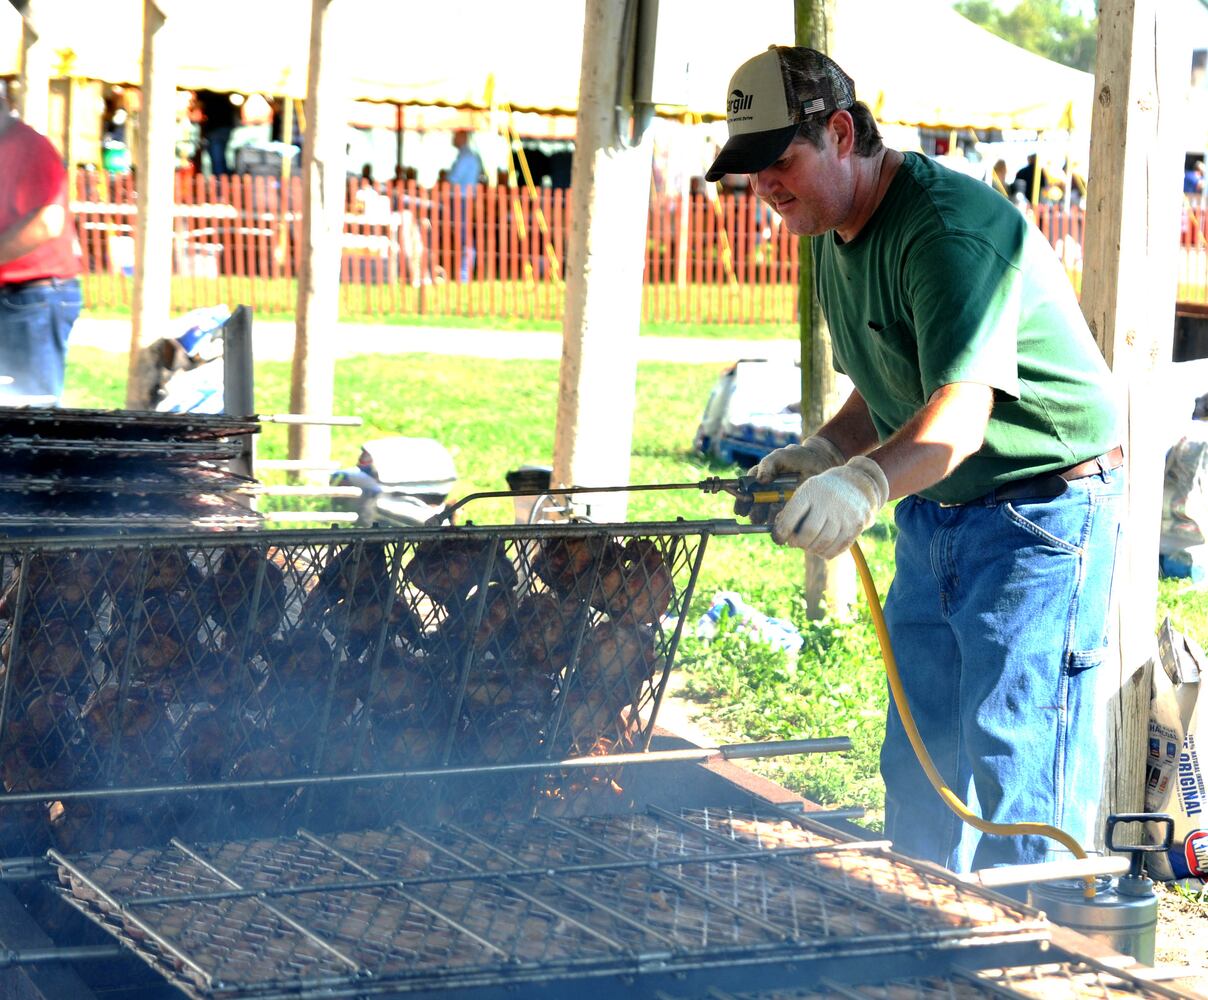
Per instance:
x=739, y=102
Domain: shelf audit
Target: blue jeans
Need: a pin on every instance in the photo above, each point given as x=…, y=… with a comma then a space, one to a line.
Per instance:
x=998, y=615
x=35, y=322
x=216, y=144
x=465, y=235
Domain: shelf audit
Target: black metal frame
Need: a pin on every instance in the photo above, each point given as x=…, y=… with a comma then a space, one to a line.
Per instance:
x=698, y=936
x=35, y=601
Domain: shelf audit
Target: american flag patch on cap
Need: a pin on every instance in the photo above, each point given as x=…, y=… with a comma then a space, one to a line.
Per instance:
x=813, y=107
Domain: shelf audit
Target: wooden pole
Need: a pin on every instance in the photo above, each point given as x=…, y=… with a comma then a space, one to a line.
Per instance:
x=312, y=389
x=1128, y=296
x=830, y=587
x=399, y=123
x=281, y=249
x=33, y=97
x=611, y=196
x=155, y=197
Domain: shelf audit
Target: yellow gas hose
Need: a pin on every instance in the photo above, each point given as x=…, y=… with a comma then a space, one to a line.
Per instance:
x=951, y=799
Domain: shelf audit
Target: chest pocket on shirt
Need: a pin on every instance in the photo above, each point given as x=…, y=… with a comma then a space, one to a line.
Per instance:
x=895, y=358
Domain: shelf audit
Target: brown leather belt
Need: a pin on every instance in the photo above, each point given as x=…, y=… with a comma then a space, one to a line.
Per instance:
x=1106, y=462
x=1047, y=485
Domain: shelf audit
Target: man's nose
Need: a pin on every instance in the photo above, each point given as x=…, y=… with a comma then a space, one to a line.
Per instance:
x=761, y=184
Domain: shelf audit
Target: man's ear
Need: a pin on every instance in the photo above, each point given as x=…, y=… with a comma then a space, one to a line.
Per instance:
x=843, y=128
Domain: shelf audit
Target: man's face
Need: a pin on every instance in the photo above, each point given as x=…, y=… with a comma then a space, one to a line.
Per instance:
x=808, y=187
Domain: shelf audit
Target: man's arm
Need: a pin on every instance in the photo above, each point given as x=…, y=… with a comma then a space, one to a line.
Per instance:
x=31, y=231
x=829, y=510
x=941, y=435
x=851, y=429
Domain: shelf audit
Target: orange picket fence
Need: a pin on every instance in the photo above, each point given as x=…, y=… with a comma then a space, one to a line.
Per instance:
x=497, y=252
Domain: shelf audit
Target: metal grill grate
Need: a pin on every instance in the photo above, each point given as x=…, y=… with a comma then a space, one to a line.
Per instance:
x=506, y=903
x=1051, y=981
x=104, y=478
x=123, y=425
x=179, y=685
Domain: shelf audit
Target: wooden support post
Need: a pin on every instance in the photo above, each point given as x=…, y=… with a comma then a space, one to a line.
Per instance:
x=238, y=387
x=1128, y=297
x=611, y=191
x=156, y=197
x=33, y=103
x=830, y=586
x=312, y=389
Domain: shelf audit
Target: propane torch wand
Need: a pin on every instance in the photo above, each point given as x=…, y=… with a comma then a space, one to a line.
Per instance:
x=745, y=487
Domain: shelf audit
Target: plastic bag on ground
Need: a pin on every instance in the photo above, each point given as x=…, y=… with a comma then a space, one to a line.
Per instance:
x=1175, y=772
x=1183, y=547
x=774, y=632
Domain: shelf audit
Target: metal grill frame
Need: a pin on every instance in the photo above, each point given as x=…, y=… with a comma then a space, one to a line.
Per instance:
x=778, y=955
x=689, y=537
x=1054, y=979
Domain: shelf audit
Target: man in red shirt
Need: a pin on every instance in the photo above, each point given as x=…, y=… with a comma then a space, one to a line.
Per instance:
x=39, y=266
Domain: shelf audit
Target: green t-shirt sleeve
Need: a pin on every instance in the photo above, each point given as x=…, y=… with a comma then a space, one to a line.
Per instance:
x=966, y=302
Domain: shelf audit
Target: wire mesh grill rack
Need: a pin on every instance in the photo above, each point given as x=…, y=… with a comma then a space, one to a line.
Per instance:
x=650, y=897
x=1080, y=980
x=123, y=425
x=226, y=685
x=80, y=472
x=102, y=477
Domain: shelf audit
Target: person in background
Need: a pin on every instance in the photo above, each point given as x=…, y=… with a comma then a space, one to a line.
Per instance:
x=39, y=266
x=465, y=173
x=1193, y=179
x=1036, y=190
x=982, y=401
x=998, y=178
x=218, y=119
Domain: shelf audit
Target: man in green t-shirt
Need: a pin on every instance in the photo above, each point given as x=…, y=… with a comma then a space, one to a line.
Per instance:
x=983, y=402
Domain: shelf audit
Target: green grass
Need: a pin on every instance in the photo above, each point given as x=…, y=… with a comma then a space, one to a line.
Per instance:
x=698, y=310
x=497, y=415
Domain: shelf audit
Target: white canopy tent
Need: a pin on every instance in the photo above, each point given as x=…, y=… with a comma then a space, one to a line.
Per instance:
x=922, y=65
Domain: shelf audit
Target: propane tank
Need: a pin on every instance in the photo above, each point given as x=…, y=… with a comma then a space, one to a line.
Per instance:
x=1123, y=913
x=527, y=479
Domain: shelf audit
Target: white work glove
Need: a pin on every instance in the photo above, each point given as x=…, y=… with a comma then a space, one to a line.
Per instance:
x=815, y=454
x=829, y=510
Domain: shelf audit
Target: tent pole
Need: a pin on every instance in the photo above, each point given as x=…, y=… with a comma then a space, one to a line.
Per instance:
x=398, y=137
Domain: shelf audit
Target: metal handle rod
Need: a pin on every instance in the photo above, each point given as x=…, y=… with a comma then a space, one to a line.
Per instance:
x=777, y=748
x=713, y=484
x=76, y=953
x=782, y=748
x=1047, y=871
x=259, y=489
x=302, y=418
